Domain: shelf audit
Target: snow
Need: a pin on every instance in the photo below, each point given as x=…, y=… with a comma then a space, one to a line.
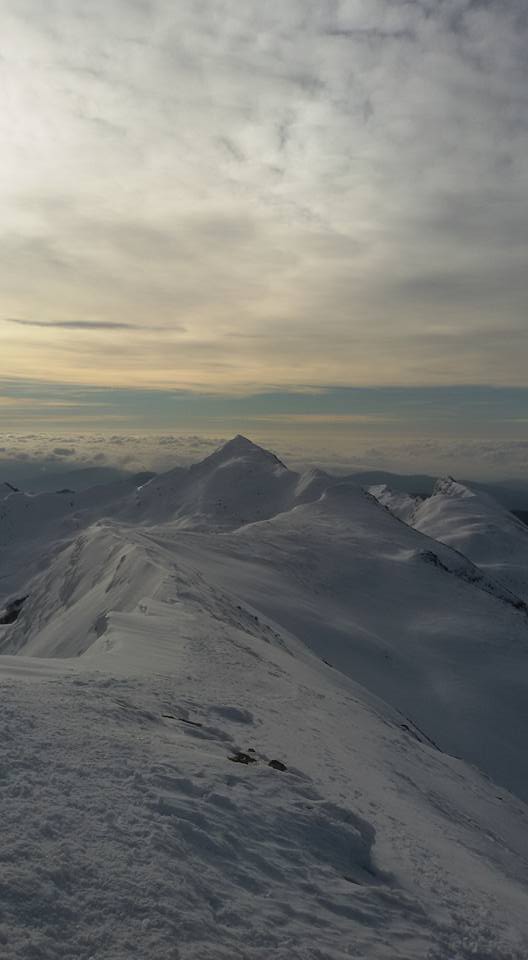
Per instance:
x=154, y=646
x=400, y=504
x=479, y=527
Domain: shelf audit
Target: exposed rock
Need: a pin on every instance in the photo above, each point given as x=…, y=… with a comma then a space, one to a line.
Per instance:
x=277, y=765
x=12, y=610
x=240, y=757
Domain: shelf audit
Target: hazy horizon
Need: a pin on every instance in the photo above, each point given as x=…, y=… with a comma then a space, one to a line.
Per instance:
x=26, y=458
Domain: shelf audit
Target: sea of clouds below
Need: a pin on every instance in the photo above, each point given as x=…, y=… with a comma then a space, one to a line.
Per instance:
x=27, y=455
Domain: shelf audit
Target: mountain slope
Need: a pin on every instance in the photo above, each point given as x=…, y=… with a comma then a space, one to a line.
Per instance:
x=174, y=640
x=479, y=527
x=35, y=527
x=402, y=505
x=413, y=621
x=236, y=484
x=129, y=827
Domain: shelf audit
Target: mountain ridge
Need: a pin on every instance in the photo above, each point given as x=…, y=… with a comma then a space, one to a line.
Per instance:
x=252, y=712
x=323, y=561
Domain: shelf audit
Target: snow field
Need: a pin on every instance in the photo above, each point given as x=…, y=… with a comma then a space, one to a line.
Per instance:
x=237, y=607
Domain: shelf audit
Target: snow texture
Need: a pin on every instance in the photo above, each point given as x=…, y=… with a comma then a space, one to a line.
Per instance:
x=235, y=610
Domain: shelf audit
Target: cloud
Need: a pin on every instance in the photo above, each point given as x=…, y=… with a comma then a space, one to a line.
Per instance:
x=326, y=418
x=266, y=194
x=72, y=324
x=465, y=458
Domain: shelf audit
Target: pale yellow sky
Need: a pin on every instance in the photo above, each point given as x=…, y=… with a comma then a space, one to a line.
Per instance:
x=244, y=197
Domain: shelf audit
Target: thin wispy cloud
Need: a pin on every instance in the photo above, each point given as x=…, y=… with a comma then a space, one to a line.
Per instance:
x=72, y=324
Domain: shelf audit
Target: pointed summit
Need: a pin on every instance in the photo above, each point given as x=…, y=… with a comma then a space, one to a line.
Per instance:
x=239, y=444
x=239, y=447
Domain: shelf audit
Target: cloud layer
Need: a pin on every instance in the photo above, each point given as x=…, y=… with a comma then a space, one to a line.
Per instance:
x=31, y=455
x=230, y=197
x=474, y=432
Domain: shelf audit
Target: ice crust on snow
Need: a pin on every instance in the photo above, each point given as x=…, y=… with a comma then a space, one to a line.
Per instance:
x=237, y=607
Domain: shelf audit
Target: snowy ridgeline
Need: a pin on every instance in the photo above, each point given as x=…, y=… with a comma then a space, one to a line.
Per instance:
x=248, y=713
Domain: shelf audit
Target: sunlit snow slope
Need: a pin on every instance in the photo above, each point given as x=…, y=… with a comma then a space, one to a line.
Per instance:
x=235, y=611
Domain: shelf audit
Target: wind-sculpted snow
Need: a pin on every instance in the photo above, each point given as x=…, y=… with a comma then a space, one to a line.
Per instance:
x=400, y=504
x=235, y=609
x=33, y=528
x=479, y=527
x=127, y=831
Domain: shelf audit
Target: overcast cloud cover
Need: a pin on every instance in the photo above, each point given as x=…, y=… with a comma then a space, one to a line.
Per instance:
x=239, y=198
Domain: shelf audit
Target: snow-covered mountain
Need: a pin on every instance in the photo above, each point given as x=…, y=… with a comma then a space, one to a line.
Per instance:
x=402, y=505
x=237, y=484
x=35, y=526
x=471, y=522
x=164, y=642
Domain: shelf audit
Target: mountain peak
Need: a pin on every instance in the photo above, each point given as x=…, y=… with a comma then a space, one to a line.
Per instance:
x=240, y=443
x=240, y=446
x=450, y=487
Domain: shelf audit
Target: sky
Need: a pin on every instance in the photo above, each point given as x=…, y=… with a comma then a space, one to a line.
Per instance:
x=306, y=221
